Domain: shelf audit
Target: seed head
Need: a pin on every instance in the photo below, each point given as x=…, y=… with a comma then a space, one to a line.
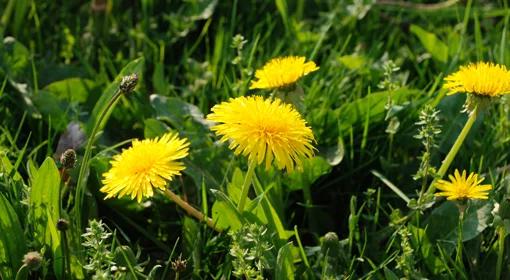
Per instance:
x=32, y=260
x=179, y=265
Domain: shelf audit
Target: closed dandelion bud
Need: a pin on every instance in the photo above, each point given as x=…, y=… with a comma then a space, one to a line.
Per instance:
x=330, y=244
x=68, y=159
x=32, y=260
x=128, y=83
x=62, y=224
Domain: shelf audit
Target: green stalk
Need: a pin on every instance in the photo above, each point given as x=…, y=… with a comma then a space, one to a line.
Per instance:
x=501, y=251
x=21, y=272
x=67, y=255
x=80, y=187
x=190, y=209
x=458, y=258
x=454, y=149
x=246, y=186
x=6, y=16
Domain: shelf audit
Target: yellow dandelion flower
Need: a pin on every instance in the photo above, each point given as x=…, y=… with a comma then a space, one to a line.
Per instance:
x=147, y=164
x=264, y=130
x=460, y=187
x=282, y=72
x=482, y=78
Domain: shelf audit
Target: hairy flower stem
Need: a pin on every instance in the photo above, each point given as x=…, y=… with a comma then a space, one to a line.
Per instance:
x=80, y=185
x=246, y=186
x=190, y=209
x=454, y=149
x=22, y=272
x=501, y=251
x=458, y=257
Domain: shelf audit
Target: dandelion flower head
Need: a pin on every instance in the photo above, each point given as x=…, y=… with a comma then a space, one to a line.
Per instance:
x=264, y=130
x=147, y=164
x=282, y=72
x=482, y=78
x=459, y=187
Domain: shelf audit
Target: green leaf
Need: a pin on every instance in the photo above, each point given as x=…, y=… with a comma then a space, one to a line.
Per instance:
x=313, y=168
x=224, y=212
x=44, y=200
x=284, y=269
x=72, y=89
x=14, y=58
x=154, y=128
x=177, y=112
x=335, y=154
x=370, y=106
x=420, y=240
x=432, y=44
x=44, y=210
x=12, y=240
x=390, y=275
x=354, y=61
x=52, y=109
x=135, y=66
x=442, y=224
x=274, y=221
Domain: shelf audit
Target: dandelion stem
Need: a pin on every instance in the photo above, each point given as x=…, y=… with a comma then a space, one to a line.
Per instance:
x=22, y=272
x=458, y=258
x=501, y=251
x=246, y=186
x=190, y=209
x=80, y=185
x=454, y=149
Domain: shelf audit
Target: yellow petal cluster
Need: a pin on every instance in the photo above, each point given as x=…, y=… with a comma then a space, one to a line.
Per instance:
x=282, y=72
x=460, y=187
x=264, y=130
x=482, y=78
x=147, y=164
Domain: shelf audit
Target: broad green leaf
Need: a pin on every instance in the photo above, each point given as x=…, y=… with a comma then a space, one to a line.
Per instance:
x=44, y=203
x=52, y=109
x=370, y=106
x=125, y=257
x=72, y=89
x=154, y=128
x=14, y=58
x=420, y=240
x=224, y=212
x=158, y=79
x=274, y=221
x=390, y=275
x=135, y=66
x=442, y=224
x=354, y=61
x=56, y=249
x=12, y=241
x=432, y=44
x=176, y=111
x=313, y=168
x=284, y=269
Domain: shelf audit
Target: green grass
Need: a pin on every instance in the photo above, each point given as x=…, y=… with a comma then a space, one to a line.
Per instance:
x=344, y=216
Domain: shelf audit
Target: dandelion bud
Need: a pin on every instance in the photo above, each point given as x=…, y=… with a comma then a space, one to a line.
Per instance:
x=128, y=83
x=68, y=159
x=330, y=237
x=32, y=260
x=62, y=224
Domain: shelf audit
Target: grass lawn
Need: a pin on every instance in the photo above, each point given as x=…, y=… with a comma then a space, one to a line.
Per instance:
x=254, y=139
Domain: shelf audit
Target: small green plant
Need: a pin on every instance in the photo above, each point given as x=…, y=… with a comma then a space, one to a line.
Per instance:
x=97, y=244
x=251, y=248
